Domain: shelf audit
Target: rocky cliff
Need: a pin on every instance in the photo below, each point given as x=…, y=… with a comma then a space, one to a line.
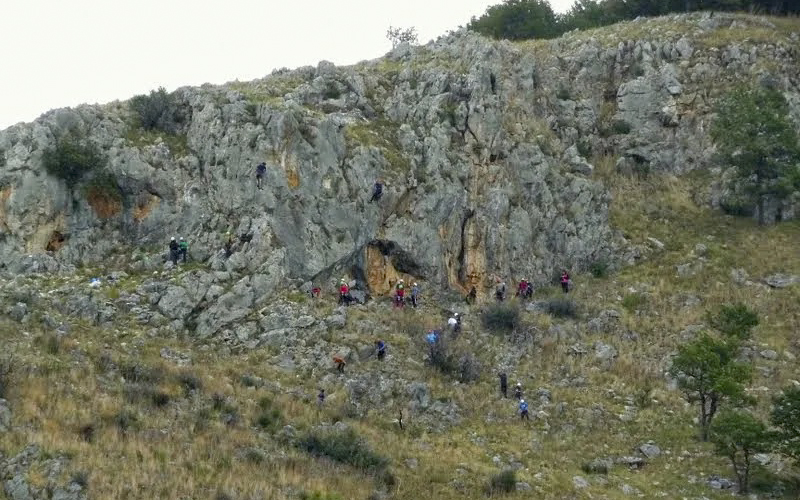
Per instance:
x=487, y=150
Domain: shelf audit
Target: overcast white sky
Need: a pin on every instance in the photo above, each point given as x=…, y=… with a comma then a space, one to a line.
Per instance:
x=59, y=53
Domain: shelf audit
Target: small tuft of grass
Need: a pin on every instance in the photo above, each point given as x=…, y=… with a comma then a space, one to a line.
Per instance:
x=561, y=307
x=504, y=482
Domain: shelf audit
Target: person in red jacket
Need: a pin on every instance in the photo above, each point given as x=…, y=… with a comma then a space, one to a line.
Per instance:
x=565, y=281
x=344, y=293
x=522, y=288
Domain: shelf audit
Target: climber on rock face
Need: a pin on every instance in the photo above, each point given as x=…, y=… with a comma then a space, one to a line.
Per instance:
x=261, y=169
x=228, y=244
x=377, y=191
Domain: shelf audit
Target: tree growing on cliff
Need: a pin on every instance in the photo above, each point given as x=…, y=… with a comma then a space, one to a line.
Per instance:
x=72, y=157
x=708, y=374
x=756, y=137
x=517, y=20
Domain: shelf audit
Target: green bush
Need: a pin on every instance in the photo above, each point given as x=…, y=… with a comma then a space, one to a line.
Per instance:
x=156, y=111
x=563, y=94
x=6, y=372
x=621, y=127
x=584, y=148
x=501, y=317
x=72, y=157
x=269, y=417
x=442, y=357
x=469, y=368
x=504, y=482
x=344, y=447
x=634, y=301
x=735, y=321
x=737, y=207
x=190, y=382
x=599, y=269
x=561, y=307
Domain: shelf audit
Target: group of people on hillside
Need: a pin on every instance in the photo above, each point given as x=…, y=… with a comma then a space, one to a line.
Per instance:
x=524, y=288
x=178, y=250
x=523, y=405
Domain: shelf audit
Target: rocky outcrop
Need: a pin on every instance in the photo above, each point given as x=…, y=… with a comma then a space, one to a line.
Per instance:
x=484, y=147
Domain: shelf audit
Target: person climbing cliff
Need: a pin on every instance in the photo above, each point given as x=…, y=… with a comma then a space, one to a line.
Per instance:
x=183, y=249
x=377, y=191
x=261, y=170
x=173, y=251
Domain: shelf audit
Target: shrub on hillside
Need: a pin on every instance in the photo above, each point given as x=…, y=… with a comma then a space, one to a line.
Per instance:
x=634, y=301
x=72, y=157
x=269, y=418
x=599, y=269
x=561, y=307
x=469, y=368
x=504, y=482
x=501, y=317
x=190, y=382
x=344, y=447
x=6, y=371
x=735, y=321
x=156, y=111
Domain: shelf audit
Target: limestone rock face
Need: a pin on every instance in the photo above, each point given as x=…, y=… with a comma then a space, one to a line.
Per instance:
x=484, y=149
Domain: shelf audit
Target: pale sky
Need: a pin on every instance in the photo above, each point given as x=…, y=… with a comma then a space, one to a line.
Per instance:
x=59, y=53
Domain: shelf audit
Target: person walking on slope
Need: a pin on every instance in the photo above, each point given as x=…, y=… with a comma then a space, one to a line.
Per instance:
x=340, y=363
x=399, y=294
x=455, y=323
x=529, y=289
x=518, y=391
x=522, y=288
x=523, y=410
x=261, y=170
x=183, y=249
x=500, y=291
x=377, y=191
x=380, y=347
x=565, y=281
x=414, y=294
x=344, y=293
x=503, y=384
x=173, y=251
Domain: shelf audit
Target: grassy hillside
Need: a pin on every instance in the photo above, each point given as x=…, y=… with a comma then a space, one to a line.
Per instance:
x=137, y=425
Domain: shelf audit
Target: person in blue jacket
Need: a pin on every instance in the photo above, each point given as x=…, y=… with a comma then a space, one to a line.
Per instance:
x=523, y=410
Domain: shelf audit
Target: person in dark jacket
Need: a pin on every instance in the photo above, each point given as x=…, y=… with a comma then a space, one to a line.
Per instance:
x=565, y=281
x=380, y=347
x=377, y=191
x=503, y=384
x=261, y=170
x=173, y=251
